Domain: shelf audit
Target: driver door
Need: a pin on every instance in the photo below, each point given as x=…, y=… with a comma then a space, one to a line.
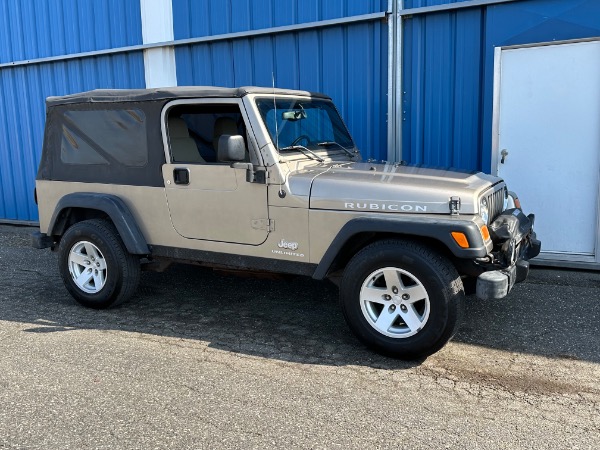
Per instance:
x=208, y=198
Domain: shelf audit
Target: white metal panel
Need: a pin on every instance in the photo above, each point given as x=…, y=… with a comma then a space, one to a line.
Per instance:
x=548, y=101
x=157, y=26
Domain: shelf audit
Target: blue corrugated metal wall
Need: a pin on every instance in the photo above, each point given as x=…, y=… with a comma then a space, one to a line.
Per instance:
x=35, y=29
x=448, y=67
x=32, y=29
x=347, y=62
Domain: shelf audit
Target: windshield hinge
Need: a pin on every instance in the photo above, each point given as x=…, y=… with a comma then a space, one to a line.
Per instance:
x=263, y=224
x=454, y=206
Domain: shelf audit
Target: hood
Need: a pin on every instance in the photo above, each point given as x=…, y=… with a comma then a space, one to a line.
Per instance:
x=390, y=188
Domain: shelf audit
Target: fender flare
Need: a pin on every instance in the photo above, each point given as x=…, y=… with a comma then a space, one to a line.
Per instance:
x=438, y=229
x=111, y=205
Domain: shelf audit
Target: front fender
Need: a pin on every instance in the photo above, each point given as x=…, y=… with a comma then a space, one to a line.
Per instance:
x=438, y=229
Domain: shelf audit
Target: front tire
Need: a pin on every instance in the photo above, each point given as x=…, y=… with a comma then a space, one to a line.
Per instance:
x=95, y=266
x=401, y=298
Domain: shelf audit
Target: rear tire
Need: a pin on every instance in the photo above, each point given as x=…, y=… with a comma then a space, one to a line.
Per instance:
x=95, y=266
x=401, y=298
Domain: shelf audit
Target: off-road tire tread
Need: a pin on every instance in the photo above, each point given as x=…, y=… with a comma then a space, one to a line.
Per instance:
x=128, y=264
x=442, y=267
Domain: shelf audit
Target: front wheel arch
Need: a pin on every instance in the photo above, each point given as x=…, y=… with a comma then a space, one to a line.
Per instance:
x=436, y=233
x=359, y=241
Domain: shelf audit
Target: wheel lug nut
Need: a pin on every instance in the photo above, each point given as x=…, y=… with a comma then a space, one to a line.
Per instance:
x=395, y=290
x=403, y=308
x=387, y=297
x=405, y=296
x=393, y=308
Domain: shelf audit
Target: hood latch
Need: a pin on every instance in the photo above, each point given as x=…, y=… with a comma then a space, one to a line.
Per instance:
x=454, y=205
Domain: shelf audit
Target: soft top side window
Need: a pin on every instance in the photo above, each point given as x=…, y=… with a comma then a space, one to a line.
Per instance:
x=194, y=130
x=93, y=137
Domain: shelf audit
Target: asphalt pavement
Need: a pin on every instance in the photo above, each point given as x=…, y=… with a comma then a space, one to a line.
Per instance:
x=200, y=359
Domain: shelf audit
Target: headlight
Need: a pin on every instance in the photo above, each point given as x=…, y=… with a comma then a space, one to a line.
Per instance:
x=484, y=211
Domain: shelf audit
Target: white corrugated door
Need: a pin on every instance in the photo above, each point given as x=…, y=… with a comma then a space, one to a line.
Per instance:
x=548, y=129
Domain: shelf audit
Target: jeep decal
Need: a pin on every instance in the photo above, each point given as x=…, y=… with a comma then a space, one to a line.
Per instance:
x=288, y=245
x=288, y=249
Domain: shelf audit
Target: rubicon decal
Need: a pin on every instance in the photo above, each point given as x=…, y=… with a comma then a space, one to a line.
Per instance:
x=394, y=207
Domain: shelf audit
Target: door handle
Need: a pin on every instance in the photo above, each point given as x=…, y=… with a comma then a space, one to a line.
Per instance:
x=504, y=154
x=181, y=176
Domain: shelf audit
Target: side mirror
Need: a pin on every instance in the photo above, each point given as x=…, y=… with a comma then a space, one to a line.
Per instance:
x=231, y=148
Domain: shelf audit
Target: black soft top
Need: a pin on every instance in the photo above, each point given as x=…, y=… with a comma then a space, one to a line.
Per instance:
x=140, y=95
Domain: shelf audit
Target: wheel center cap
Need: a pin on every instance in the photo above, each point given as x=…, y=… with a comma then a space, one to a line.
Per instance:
x=396, y=299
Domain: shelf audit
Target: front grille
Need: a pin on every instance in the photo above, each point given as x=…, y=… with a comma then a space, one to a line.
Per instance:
x=495, y=202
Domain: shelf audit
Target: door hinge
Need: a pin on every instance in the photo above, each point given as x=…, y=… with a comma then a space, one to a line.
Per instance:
x=263, y=224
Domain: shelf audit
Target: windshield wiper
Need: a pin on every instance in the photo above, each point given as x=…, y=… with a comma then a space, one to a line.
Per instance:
x=304, y=150
x=330, y=143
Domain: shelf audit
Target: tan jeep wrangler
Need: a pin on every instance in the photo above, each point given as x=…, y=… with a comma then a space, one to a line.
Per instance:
x=270, y=180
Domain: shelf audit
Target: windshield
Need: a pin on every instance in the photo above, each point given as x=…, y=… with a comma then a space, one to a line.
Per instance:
x=311, y=123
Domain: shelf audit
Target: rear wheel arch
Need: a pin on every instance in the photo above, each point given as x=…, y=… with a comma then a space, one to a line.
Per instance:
x=77, y=207
x=68, y=216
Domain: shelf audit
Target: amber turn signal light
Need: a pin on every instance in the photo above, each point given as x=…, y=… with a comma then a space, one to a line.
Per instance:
x=460, y=239
x=485, y=233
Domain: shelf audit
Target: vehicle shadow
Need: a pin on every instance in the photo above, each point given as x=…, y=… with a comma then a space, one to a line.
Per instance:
x=554, y=313
x=293, y=319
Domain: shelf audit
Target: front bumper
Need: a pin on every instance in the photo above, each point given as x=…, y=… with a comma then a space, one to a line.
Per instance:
x=515, y=243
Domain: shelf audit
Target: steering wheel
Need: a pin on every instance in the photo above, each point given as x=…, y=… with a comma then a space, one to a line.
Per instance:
x=299, y=139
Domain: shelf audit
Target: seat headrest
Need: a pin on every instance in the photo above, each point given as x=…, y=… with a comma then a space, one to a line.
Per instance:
x=178, y=128
x=224, y=125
